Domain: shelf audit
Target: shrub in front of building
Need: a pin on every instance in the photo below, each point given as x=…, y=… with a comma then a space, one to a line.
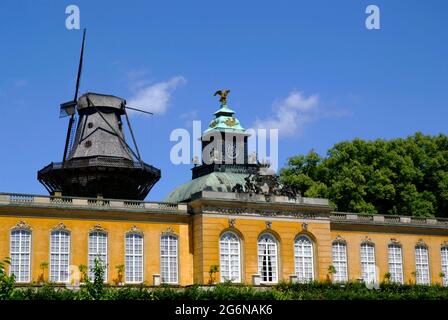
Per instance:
x=282, y=291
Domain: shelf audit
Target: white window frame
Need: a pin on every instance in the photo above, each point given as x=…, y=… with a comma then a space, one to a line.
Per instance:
x=271, y=258
x=56, y=257
x=304, y=258
x=92, y=253
x=23, y=275
x=233, y=260
x=444, y=263
x=132, y=258
x=423, y=274
x=368, y=262
x=395, y=262
x=339, y=255
x=169, y=257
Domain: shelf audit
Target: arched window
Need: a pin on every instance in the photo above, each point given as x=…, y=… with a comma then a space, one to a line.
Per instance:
x=339, y=250
x=444, y=260
x=97, y=249
x=422, y=264
x=60, y=256
x=303, y=254
x=20, y=253
x=168, y=258
x=368, y=262
x=395, y=263
x=267, y=258
x=229, y=254
x=134, y=258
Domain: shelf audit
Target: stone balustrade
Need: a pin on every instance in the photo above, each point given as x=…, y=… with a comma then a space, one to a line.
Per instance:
x=387, y=219
x=88, y=203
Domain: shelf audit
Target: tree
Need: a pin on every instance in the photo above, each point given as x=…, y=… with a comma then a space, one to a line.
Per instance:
x=6, y=282
x=95, y=287
x=404, y=176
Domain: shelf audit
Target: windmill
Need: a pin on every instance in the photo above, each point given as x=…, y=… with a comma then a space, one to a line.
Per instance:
x=97, y=159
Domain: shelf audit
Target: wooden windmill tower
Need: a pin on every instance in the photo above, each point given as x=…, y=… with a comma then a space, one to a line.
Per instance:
x=98, y=161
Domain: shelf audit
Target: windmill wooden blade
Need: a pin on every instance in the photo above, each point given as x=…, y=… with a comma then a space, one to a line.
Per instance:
x=69, y=107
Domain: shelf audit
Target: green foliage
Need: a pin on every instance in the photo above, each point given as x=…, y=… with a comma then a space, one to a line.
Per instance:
x=226, y=291
x=331, y=269
x=6, y=282
x=400, y=176
x=94, y=290
x=213, y=269
x=83, y=270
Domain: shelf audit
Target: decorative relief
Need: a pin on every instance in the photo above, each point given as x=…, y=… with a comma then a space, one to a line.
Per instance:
x=339, y=239
x=135, y=229
x=22, y=225
x=394, y=241
x=268, y=224
x=266, y=213
x=305, y=226
x=231, y=122
x=421, y=243
x=213, y=124
x=60, y=227
x=232, y=223
x=445, y=244
x=168, y=231
x=97, y=228
x=367, y=239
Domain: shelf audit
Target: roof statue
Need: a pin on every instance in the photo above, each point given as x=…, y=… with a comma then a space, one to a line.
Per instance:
x=223, y=95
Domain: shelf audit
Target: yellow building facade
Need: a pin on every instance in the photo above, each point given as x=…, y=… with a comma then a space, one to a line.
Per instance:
x=234, y=221
x=252, y=239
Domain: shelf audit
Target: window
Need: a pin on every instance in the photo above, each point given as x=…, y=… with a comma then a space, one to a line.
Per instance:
x=97, y=249
x=444, y=259
x=134, y=258
x=229, y=253
x=422, y=265
x=303, y=255
x=168, y=258
x=368, y=262
x=395, y=263
x=340, y=261
x=59, y=256
x=20, y=250
x=267, y=258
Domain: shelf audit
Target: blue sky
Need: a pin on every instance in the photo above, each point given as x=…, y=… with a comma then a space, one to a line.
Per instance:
x=310, y=61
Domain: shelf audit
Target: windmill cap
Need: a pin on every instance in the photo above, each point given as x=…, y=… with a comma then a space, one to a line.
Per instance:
x=91, y=100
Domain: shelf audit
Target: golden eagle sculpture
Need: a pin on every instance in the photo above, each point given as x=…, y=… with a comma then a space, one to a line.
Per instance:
x=223, y=94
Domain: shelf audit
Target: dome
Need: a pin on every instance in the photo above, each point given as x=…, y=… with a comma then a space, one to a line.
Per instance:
x=225, y=121
x=216, y=181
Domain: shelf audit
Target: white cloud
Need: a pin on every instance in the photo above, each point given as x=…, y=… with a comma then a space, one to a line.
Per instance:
x=155, y=97
x=291, y=114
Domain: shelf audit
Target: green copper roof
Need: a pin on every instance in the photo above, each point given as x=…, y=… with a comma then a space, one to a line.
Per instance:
x=216, y=181
x=225, y=121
